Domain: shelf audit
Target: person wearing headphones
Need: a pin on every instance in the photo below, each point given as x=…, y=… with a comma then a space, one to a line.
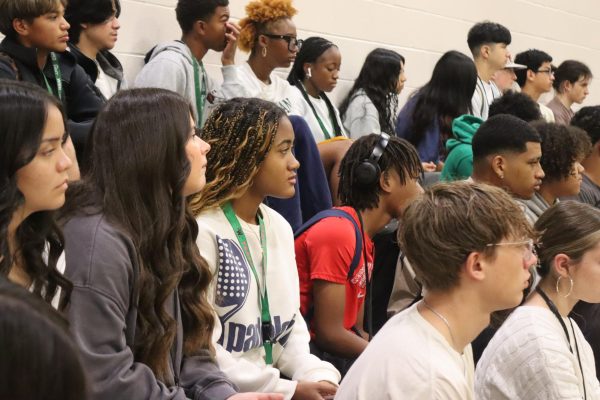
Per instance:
x=378, y=179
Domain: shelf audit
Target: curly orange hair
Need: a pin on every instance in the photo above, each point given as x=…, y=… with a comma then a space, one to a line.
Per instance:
x=258, y=13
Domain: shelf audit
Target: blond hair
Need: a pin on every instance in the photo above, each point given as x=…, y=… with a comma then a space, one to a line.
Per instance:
x=258, y=14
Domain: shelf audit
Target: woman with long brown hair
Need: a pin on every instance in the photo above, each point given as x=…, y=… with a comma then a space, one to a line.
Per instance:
x=139, y=310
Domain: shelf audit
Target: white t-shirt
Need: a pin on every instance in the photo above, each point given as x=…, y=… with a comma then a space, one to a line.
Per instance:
x=547, y=113
x=323, y=113
x=529, y=358
x=106, y=84
x=484, y=95
x=409, y=359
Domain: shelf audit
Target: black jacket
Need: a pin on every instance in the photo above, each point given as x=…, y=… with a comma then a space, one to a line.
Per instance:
x=81, y=102
x=108, y=62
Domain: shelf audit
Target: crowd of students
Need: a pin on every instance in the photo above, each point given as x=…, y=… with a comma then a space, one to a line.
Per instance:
x=184, y=239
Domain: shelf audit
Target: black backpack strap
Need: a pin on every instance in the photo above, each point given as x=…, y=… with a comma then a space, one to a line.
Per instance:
x=341, y=214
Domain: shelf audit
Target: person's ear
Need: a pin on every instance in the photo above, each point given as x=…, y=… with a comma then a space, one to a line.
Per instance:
x=385, y=182
x=485, y=51
x=561, y=264
x=499, y=166
x=21, y=26
x=474, y=266
x=566, y=86
x=530, y=75
x=200, y=27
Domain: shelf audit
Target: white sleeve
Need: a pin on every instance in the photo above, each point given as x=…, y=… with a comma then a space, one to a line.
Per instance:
x=246, y=375
x=477, y=102
x=233, y=85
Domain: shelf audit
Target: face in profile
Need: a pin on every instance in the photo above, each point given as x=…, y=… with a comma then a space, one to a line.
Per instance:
x=48, y=31
x=43, y=181
x=282, y=50
x=276, y=176
x=215, y=29
x=196, y=150
x=523, y=173
x=586, y=276
x=507, y=271
x=103, y=36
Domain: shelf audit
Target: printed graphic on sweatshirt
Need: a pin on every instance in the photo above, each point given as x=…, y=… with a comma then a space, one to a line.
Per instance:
x=234, y=278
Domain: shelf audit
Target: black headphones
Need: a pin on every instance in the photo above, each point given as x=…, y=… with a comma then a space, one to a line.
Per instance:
x=367, y=172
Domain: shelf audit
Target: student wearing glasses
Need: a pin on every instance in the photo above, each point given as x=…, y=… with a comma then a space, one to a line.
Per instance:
x=424, y=352
x=563, y=151
x=539, y=352
x=537, y=78
x=269, y=35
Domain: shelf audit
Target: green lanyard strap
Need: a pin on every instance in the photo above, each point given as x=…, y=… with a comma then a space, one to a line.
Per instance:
x=57, y=77
x=265, y=314
x=200, y=92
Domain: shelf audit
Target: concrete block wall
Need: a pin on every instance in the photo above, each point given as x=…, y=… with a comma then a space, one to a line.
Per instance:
x=420, y=30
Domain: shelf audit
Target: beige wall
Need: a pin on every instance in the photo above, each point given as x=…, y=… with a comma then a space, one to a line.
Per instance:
x=420, y=30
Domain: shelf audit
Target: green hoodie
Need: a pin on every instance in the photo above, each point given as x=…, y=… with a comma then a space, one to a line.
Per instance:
x=459, y=162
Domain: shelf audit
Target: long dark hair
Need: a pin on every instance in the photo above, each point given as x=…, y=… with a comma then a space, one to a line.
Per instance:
x=23, y=113
x=311, y=50
x=39, y=359
x=138, y=169
x=378, y=77
x=446, y=96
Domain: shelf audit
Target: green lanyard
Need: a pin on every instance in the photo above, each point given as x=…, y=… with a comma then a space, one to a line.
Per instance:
x=265, y=314
x=314, y=111
x=57, y=76
x=200, y=92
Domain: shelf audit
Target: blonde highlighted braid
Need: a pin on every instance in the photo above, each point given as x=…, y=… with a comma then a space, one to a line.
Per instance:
x=258, y=14
x=240, y=132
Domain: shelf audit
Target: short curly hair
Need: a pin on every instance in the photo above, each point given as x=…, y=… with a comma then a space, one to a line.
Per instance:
x=561, y=147
x=258, y=14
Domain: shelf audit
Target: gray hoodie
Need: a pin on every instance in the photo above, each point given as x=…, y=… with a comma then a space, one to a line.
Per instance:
x=171, y=67
x=102, y=264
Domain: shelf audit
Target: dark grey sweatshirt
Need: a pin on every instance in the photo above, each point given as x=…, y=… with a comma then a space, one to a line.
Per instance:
x=102, y=264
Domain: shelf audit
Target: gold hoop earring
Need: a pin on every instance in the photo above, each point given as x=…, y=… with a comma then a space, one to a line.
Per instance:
x=570, y=287
x=264, y=52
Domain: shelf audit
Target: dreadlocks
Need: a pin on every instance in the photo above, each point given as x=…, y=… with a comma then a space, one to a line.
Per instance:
x=399, y=154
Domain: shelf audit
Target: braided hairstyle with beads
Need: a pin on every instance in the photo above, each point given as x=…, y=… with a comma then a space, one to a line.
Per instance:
x=240, y=132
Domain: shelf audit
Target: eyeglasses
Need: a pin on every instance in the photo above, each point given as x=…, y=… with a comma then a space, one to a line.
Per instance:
x=529, y=248
x=292, y=41
x=546, y=71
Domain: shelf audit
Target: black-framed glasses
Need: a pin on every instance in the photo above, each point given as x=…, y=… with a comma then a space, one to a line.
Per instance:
x=292, y=41
x=548, y=71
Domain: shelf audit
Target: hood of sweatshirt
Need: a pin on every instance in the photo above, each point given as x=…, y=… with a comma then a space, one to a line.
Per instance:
x=463, y=129
x=175, y=45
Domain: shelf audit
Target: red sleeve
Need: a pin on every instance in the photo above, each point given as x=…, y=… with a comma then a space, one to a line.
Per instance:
x=329, y=247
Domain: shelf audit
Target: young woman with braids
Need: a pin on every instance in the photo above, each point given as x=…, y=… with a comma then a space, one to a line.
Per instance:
x=260, y=334
x=33, y=181
x=372, y=103
x=269, y=34
x=139, y=311
x=538, y=352
x=314, y=73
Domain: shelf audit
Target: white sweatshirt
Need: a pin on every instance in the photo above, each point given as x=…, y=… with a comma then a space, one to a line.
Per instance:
x=279, y=91
x=237, y=335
